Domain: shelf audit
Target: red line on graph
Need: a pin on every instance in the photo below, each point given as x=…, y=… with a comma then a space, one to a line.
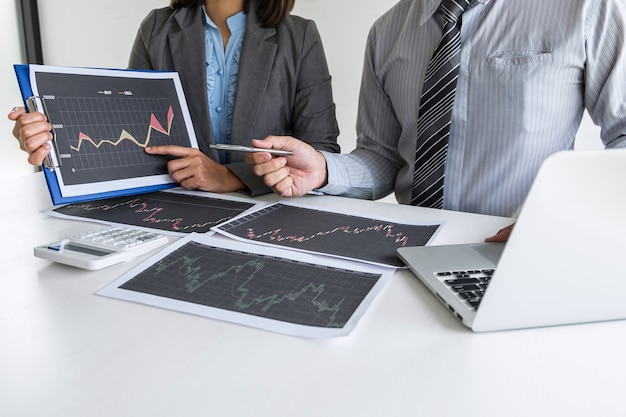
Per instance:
x=124, y=135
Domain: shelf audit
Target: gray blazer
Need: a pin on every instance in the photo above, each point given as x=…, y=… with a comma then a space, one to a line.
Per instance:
x=283, y=85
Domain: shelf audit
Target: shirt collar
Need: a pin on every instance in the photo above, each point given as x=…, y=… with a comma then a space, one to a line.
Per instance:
x=430, y=7
x=235, y=22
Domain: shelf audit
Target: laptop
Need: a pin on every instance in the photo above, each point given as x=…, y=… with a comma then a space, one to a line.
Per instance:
x=564, y=263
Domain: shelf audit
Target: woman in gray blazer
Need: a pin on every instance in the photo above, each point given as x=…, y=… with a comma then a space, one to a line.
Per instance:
x=280, y=85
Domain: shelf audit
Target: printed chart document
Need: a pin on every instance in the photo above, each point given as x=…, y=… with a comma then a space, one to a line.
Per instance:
x=274, y=289
x=174, y=212
x=316, y=230
x=102, y=120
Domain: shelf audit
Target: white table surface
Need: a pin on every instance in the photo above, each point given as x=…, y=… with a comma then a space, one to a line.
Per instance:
x=67, y=352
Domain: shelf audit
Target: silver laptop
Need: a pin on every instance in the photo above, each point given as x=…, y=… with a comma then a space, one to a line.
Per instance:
x=564, y=263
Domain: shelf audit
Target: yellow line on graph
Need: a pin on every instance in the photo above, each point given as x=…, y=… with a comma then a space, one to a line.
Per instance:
x=124, y=135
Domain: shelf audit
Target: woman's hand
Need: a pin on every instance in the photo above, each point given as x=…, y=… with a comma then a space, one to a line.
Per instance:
x=32, y=131
x=193, y=170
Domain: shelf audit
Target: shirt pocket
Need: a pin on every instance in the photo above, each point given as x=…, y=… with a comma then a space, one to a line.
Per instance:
x=525, y=92
x=513, y=58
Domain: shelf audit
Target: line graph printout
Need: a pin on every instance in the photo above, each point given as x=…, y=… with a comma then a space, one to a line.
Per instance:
x=104, y=119
x=172, y=212
x=286, y=292
x=320, y=231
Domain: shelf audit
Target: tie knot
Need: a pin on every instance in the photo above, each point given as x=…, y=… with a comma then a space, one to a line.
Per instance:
x=453, y=9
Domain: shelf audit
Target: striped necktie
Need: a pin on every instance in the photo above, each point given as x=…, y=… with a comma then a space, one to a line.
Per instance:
x=435, y=111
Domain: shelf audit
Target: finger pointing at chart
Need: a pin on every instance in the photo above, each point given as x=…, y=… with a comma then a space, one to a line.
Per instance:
x=193, y=170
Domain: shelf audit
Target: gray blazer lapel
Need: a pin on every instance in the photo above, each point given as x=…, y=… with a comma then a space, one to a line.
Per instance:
x=189, y=56
x=255, y=65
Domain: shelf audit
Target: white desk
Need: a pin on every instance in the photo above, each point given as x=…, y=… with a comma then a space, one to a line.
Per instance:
x=66, y=352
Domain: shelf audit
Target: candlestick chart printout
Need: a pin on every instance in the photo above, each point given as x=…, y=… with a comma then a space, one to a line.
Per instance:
x=103, y=123
x=288, y=290
x=314, y=230
x=166, y=211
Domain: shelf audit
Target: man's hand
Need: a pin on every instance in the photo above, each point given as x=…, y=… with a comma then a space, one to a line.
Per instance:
x=502, y=235
x=291, y=175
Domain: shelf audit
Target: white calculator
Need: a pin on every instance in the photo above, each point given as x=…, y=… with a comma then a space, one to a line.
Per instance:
x=97, y=249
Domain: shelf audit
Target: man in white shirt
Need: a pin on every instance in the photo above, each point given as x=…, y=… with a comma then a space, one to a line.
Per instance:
x=528, y=70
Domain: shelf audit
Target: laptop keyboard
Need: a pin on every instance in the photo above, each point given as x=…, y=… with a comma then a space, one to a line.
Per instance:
x=468, y=285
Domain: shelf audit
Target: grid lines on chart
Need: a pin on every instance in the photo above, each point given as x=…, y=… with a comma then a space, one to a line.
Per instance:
x=175, y=212
x=320, y=231
x=259, y=285
x=107, y=122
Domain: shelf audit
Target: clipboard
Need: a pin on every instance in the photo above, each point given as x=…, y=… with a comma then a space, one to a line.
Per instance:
x=53, y=167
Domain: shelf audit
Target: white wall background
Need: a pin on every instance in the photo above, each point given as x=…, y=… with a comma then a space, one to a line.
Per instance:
x=100, y=34
x=12, y=160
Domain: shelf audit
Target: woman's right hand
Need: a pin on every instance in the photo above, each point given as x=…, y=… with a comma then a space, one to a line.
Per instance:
x=32, y=131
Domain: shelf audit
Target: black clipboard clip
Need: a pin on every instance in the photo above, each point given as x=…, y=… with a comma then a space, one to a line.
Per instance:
x=35, y=103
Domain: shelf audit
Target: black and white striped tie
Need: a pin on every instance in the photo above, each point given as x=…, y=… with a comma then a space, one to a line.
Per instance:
x=435, y=111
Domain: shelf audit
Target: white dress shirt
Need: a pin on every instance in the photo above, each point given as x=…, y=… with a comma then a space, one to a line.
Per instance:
x=528, y=70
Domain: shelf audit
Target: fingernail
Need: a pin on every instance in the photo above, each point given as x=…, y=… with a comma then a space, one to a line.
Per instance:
x=14, y=109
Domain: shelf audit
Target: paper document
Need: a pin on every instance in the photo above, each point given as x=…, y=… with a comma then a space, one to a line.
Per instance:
x=102, y=121
x=269, y=288
x=312, y=229
x=174, y=212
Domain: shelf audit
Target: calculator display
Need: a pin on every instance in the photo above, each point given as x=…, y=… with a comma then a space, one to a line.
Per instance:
x=83, y=249
x=100, y=248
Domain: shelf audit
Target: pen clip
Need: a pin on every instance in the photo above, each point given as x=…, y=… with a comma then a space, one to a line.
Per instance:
x=36, y=103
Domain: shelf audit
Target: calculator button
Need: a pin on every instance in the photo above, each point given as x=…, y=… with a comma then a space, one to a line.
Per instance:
x=118, y=238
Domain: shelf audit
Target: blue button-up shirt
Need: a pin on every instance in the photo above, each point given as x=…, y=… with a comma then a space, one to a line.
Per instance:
x=222, y=65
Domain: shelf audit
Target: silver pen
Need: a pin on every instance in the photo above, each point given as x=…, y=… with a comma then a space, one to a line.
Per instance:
x=241, y=148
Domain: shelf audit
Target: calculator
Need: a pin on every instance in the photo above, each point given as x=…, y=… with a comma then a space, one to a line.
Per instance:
x=97, y=249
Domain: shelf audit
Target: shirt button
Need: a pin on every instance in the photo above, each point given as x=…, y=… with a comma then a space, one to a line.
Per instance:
x=220, y=71
x=218, y=109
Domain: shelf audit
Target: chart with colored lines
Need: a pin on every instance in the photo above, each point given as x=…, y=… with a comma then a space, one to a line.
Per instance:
x=104, y=119
x=320, y=231
x=300, y=295
x=167, y=211
x=154, y=125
